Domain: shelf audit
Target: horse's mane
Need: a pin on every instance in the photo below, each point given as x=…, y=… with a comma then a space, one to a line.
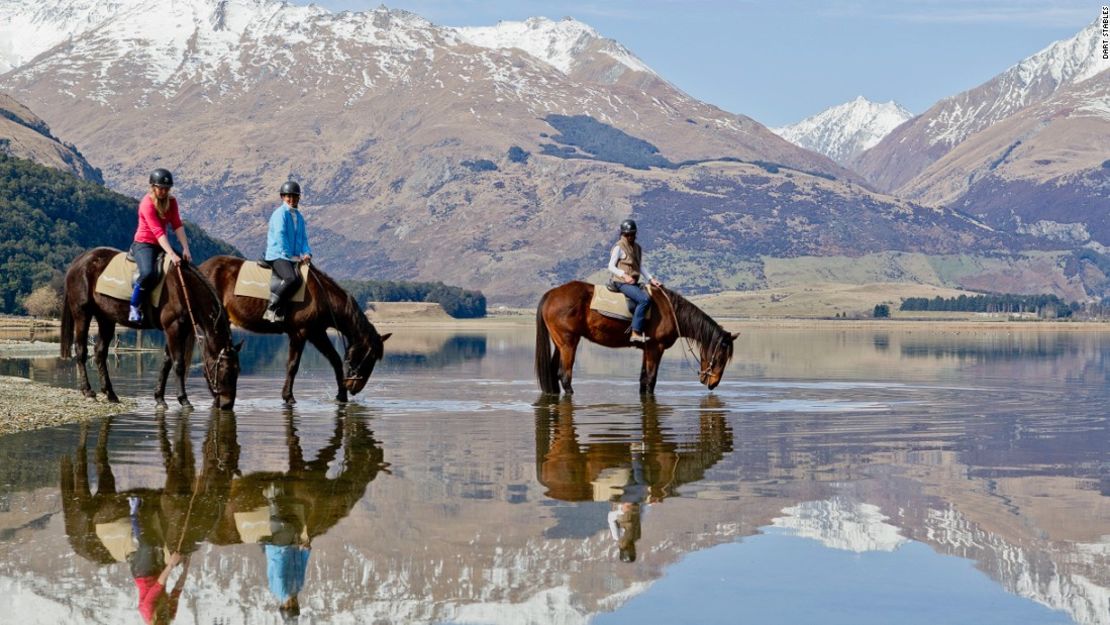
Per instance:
x=349, y=310
x=695, y=325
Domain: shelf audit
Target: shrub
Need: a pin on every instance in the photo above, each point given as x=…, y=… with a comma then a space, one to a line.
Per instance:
x=44, y=301
x=881, y=311
x=517, y=154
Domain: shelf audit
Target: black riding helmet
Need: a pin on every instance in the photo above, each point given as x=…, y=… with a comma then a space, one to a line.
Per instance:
x=290, y=188
x=628, y=227
x=161, y=178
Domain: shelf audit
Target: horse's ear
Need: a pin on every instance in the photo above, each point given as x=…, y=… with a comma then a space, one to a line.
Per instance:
x=386, y=336
x=734, y=336
x=239, y=346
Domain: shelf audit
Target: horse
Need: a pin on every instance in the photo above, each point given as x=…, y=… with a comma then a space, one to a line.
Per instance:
x=188, y=309
x=326, y=305
x=563, y=317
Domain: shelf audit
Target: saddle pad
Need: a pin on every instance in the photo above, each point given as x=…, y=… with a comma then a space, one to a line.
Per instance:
x=254, y=281
x=116, y=537
x=254, y=525
x=612, y=304
x=115, y=280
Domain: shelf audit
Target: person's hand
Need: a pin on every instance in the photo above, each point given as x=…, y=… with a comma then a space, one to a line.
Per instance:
x=656, y=283
x=175, y=258
x=628, y=279
x=187, y=255
x=175, y=559
x=306, y=258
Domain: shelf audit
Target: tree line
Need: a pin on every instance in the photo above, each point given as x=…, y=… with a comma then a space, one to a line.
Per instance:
x=1045, y=305
x=458, y=302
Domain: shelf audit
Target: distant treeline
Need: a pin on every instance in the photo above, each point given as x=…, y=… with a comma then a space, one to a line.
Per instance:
x=458, y=302
x=48, y=217
x=1044, y=305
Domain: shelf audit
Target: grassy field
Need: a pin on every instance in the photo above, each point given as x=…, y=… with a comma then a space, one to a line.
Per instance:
x=820, y=300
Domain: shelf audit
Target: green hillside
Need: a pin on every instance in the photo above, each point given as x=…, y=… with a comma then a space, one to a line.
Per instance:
x=48, y=217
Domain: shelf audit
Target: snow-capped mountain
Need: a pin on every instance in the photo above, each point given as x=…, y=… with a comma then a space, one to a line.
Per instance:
x=844, y=131
x=417, y=143
x=908, y=150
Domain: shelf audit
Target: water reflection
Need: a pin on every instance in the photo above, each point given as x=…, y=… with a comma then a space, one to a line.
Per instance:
x=631, y=475
x=156, y=530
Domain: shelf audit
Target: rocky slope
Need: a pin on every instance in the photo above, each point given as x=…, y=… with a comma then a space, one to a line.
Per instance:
x=24, y=135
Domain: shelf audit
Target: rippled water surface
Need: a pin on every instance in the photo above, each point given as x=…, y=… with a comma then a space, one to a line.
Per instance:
x=834, y=477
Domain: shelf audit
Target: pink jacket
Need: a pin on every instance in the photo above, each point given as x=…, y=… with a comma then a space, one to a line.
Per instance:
x=150, y=227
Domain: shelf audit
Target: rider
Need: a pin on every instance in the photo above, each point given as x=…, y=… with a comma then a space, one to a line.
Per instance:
x=286, y=244
x=157, y=210
x=625, y=262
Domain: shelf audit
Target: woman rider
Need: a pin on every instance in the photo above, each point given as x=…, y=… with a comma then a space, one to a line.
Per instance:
x=626, y=264
x=157, y=210
x=286, y=244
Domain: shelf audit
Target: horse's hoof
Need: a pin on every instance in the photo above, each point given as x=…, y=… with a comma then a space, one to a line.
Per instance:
x=89, y=394
x=289, y=401
x=341, y=398
x=161, y=404
x=113, y=398
x=184, y=401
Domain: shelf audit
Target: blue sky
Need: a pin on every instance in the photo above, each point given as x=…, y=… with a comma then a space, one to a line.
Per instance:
x=779, y=62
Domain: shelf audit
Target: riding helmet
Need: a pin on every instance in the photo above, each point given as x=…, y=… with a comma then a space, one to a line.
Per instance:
x=628, y=227
x=290, y=188
x=161, y=178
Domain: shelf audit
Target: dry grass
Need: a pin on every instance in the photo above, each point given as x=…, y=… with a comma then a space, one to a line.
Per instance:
x=27, y=405
x=817, y=301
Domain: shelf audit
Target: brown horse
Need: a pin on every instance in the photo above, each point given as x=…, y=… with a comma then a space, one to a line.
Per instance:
x=326, y=305
x=564, y=316
x=185, y=312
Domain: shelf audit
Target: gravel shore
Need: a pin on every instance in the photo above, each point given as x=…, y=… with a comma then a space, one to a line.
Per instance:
x=27, y=405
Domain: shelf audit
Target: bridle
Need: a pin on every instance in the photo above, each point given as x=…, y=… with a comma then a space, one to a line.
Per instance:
x=210, y=377
x=715, y=346
x=351, y=374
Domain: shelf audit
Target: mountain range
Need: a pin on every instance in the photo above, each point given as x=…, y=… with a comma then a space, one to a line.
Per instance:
x=844, y=131
x=498, y=158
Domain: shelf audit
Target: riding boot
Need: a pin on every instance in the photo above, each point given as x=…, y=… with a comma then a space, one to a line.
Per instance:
x=273, y=310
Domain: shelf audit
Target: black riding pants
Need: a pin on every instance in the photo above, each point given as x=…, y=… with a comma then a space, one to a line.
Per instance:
x=145, y=255
x=290, y=278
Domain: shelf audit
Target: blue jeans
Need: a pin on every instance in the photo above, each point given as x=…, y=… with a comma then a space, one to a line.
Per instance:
x=145, y=255
x=637, y=294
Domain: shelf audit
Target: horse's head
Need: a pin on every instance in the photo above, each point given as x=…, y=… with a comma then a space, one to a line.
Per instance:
x=221, y=369
x=359, y=361
x=714, y=356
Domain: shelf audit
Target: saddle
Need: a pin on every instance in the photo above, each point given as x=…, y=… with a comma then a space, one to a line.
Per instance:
x=254, y=281
x=119, y=277
x=614, y=305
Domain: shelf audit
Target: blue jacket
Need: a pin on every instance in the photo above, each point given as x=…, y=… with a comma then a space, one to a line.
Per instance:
x=285, y=569
x=287, y=236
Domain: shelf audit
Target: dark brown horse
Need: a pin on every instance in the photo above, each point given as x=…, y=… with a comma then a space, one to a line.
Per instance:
x=563, y=317
x=183, y=310
x=326, y=305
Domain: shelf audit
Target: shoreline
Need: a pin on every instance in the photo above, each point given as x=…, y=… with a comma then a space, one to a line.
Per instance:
x=26, y=405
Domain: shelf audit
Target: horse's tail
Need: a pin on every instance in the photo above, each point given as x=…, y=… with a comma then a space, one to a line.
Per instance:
x=67, y=325
x=546, y=371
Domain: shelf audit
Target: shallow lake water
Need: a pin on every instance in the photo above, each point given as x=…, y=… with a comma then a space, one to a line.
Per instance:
x=856, y=476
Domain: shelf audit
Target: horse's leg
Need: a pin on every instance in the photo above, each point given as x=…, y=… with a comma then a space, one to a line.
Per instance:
x=104, y=338
x=180, y=340
x=81, y=321
x=163, y=375
x=566, y=346
x=296, y=348
x=649, y=371
x=323, y=343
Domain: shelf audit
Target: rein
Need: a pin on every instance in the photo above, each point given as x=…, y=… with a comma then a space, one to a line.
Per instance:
x=209, y=376
x=716, y=345
x=352, y=371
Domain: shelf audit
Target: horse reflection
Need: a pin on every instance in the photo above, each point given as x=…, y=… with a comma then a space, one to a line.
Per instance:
x=632, y=474
x=284, y=512
x=153, y=530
